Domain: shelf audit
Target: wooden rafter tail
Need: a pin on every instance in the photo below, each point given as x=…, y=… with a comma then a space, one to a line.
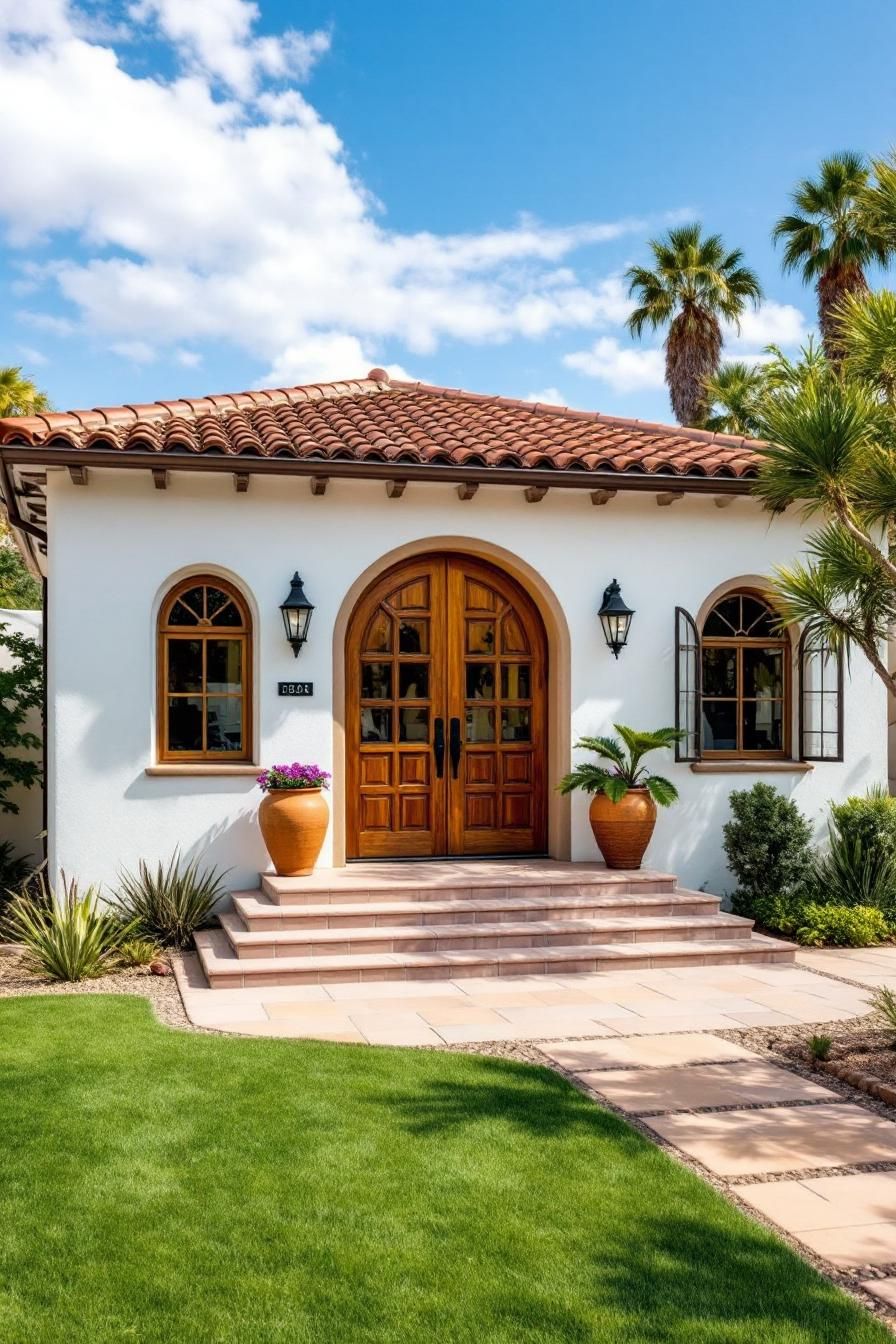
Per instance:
x=395, y=489
x=535, y=493
x=319, y=485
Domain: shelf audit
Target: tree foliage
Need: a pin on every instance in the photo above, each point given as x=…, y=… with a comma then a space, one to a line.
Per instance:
x=694, y=284
x=21, y=692
x=19, y=590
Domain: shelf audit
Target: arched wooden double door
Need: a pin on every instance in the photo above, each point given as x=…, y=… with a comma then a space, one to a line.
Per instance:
x=446, y=717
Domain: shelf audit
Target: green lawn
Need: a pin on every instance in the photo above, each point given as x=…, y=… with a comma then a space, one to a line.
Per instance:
x=163, y=1186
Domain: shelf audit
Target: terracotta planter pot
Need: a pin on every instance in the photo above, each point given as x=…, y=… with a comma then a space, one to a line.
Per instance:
x=623, y=830
x=293, y=825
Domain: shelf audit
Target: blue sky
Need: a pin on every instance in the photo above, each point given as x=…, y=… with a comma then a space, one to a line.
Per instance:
x=207, y=197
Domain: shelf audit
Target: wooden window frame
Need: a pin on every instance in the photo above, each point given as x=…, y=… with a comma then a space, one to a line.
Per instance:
x=740, y=643
x=167, y=633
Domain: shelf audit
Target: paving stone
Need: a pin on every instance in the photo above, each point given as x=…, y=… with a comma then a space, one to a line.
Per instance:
x=826, y=1201
x=885, y=1289
x=656, y=1051
x=747, y=1143
x=691, y=1087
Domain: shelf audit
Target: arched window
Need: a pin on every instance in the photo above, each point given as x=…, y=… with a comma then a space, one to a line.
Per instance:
x=204, y=673
x=745, y=680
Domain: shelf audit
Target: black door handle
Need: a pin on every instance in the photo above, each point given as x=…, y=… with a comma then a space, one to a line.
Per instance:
x=454, y=745
x=439, y=746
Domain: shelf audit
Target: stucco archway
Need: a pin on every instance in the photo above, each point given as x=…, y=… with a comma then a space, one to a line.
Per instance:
x=559, y=682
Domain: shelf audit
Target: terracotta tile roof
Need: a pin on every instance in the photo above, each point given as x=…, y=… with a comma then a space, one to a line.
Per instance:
x=373, y=419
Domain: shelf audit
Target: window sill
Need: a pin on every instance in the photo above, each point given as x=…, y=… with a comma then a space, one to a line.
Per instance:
x=202, y=768
x=751, y=767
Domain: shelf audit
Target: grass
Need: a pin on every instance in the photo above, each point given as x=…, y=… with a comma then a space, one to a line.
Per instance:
x=159, y=1186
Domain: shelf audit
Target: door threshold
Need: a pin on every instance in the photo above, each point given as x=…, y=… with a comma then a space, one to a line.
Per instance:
x=450, y=858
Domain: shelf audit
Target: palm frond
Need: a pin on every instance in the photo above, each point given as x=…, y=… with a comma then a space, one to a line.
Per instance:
x=607, y=747
x=662, y=791
x=585, y=777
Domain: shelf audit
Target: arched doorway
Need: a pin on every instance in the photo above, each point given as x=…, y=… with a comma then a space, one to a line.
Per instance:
x=446, y=714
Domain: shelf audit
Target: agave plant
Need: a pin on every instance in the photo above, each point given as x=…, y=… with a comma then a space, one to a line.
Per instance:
x=171, y=902
x=625, y=770
x=67, y=938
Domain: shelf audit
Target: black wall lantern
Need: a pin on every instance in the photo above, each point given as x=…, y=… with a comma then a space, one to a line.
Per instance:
x=296, y=614
x=615, y=617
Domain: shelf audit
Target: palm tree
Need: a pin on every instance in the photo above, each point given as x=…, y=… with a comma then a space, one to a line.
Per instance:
x=695, y=284
x=831, y=238
x=19, y=395
x=734, y=393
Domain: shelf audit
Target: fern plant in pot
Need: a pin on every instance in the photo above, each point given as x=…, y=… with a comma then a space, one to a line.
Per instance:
x=625, y=794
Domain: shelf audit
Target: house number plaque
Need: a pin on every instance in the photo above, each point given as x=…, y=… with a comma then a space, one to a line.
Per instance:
x=295, y=687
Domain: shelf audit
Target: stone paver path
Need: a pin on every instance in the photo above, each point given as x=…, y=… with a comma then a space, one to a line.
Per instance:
x=847, y=1218
x=525, y=1008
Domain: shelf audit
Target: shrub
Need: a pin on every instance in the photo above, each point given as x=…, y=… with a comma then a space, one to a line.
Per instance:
x=849, y=873
x=71, y=938
x=883, y=1001
x=138, y=952
x=767, y=847
x=170, y=903
x=841, y=925
x=870, y=820
x=820, y=1047
x=14, y=870
x=21, y=693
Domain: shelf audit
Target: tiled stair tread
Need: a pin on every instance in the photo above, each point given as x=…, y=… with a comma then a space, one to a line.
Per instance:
x=373, y=877
x=256, y=905
x=238, y=933
x=219, y=959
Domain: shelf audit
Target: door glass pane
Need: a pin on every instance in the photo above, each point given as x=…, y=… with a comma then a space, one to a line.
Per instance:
x=224, y=720
x=512, y=638
x=376, y=725
x=720, y=671
x=763, y=725
x=480, y=724
x=185, y=664
x=224, y=665
x=480, y=636
x=724, y=619
x=719, y=725
x=413, y=725
x=376, y=681
x=480, y=681
x=516, y=681
x=413, y=636
x=184, y=724
x=379, y=634
x=515, y=725
x=763, y=673
x=413, y=681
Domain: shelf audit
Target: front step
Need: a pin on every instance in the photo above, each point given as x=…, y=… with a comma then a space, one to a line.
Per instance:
x=317, y=942
x=224, y=970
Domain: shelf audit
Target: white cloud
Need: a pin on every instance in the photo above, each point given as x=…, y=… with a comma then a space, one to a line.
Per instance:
x=216, y=39
x=200, y=216
x=771, y=324
x=137, y=352
x=624, y=368
x=323, y=357
x=32, y=358
x=548, y=396
x=188, y=359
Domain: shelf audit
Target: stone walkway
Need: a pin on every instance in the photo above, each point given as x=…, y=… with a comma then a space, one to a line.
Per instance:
x=520, y=1008
x=787, y=1146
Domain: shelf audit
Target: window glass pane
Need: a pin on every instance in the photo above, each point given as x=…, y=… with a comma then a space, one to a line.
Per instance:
x=763, y=725
x=480, y=724
x=720, y=672
x=480, y=681
x=830, y=678
x=185, y=664
x=229, y=615
x=413, y=681
x=719, y=725
x=379, y=634
x=219, y=608
x=184, y=724
x=758, y=620
x=763, y=673
x=224, y=720
x=224, y=666
x=376, y=681
x=194, y=598
x=182, y=615
x=724, y=619
x=376, y=725
x=413, y=637
x=516, y=681
x=413, y=725
x=515, y=725
x=480, y=636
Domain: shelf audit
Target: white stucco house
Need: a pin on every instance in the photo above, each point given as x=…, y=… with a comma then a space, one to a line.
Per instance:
x=456, y=549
